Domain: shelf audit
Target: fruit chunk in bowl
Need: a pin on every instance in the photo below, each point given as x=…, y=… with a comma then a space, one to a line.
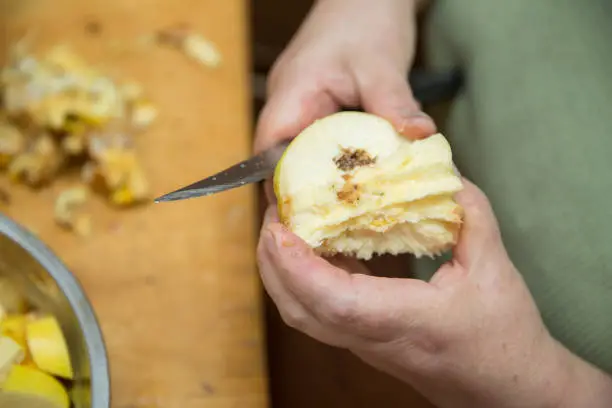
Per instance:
x=35, y=364
x=52, y=353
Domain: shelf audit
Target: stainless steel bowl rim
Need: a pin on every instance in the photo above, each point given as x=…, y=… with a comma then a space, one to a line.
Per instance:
x=68, y=284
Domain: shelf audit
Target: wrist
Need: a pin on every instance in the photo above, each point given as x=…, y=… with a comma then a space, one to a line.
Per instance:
x=549, y=376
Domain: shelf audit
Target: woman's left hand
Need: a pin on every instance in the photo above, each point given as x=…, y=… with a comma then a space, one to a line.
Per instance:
x=470, y=337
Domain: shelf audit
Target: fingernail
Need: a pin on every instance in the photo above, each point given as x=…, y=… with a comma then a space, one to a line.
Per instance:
x=419, y=114
x=420, y=118
x=417, y=126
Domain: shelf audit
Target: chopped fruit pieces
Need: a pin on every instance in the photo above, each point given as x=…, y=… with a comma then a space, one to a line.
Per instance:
x=58, y=112
x=35, y=364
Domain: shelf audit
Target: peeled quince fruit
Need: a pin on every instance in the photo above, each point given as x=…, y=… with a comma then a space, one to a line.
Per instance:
x=27, y=387
x=48, y=348
x=350, y=184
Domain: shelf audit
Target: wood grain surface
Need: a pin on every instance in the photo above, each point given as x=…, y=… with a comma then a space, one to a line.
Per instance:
x=174, y=285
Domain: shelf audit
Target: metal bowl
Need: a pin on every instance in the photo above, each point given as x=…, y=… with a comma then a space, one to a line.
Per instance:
x=50, y=287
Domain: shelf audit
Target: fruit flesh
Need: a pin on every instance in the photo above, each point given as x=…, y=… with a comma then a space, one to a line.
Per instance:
x=350, y=184
x=48, y=347
x=29, y=384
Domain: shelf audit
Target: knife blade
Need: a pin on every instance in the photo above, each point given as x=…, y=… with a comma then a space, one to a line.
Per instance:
x=427, y=87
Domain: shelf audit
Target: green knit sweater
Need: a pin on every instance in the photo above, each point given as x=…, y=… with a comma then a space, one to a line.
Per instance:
x=533, y=129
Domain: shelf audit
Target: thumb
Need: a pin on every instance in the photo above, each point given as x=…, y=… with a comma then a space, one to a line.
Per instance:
x=480, y=235
x=387, y=94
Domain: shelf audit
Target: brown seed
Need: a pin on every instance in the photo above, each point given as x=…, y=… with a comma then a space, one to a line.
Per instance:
x=349, y=159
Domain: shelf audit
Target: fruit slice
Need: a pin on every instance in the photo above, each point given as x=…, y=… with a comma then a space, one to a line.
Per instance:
x=28, y=387
x=11, y=353
x=350, y=184
x=14, y=326
x=48, y=347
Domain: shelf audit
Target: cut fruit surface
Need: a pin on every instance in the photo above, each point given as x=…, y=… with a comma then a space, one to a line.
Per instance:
x=48, y=347
x=27, y=387
x=350, y=184
x=14, y=326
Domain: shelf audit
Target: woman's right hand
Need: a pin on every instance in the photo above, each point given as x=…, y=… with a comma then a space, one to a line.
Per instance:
x=348, y=53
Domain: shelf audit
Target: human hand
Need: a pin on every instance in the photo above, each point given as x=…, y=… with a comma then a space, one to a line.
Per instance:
x=470, y=337
x=348, y=53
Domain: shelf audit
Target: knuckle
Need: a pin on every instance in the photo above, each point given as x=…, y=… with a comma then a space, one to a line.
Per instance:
x=340, y=313
x=294, y=318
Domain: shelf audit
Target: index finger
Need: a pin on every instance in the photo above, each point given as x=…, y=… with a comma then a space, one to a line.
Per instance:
x=288, y=111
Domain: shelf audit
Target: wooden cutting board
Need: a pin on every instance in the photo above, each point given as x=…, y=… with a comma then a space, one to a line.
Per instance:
x=174, y=285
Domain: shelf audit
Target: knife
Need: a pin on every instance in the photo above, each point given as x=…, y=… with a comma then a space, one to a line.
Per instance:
x=427, y=88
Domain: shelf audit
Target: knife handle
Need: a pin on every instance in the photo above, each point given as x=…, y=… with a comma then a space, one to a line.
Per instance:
x=431, y=87
x=428, y=87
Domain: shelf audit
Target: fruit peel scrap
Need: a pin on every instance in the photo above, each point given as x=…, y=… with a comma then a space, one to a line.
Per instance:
x=192, y=44
x=115, y=170
x=68, y=210
x=58, y=111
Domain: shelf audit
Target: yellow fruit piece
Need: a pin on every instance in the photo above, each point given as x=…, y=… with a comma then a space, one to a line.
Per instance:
x=351, y=184
x=143, y=114
x=11, y=353
x=32, y=384
x=14, y=326
x=123, y=196
x=48, y=347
